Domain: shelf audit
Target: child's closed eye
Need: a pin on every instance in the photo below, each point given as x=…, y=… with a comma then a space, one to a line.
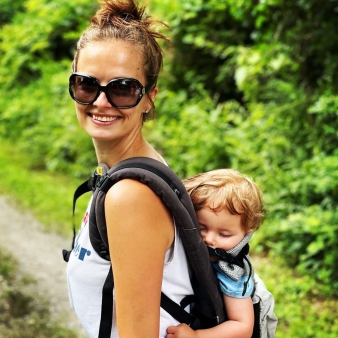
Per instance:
x=224, y=235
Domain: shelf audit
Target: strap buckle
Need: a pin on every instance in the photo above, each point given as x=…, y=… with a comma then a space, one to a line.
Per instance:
x=93, y=180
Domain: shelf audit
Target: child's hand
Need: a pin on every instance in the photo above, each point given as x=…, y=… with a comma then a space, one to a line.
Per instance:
x=180, y=331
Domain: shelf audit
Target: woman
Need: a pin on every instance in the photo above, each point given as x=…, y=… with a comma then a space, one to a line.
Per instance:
x=115, y=70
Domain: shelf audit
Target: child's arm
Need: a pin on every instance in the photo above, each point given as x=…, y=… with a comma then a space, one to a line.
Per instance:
x=240, y=324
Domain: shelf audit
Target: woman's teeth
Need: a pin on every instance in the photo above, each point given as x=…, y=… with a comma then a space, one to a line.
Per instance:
x=104, y=118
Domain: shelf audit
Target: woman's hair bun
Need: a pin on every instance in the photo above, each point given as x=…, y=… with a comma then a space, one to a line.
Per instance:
x=118, y=10
x=126, y=16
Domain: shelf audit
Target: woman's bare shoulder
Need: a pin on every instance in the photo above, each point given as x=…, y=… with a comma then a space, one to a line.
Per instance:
x=133, y=203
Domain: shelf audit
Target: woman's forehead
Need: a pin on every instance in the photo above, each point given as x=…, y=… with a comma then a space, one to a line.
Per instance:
x=111, y=59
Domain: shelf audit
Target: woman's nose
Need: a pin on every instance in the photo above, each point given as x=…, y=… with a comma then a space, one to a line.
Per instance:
x=102, y=100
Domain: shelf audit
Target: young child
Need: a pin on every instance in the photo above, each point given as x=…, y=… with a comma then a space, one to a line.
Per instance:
x=229, y=209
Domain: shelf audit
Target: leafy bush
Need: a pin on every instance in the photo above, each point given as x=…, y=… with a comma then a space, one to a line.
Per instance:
x=303, y=229
x=34, y=73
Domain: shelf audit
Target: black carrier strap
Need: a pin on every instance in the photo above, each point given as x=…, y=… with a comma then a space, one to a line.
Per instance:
x=106, y=306
x=208, y=302
x=257, y=314
x=81, y=189
x=87, y=186
x=177, y=310
x=231, y=259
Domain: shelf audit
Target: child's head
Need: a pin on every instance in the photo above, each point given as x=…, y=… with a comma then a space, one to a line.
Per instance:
x=227, y=189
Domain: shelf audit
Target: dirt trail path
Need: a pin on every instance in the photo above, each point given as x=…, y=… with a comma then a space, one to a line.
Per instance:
x=39, y=254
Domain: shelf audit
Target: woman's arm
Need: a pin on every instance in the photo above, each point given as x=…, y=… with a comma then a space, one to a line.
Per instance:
x=140, y=230
x=240, y=324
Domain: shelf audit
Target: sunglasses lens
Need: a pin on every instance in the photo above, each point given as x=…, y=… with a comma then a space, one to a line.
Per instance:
x=121, y=93
x=124, y=92
x=83, y=88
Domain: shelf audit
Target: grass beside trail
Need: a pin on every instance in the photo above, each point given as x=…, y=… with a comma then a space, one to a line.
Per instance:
x=47, y=195
x=300, y=309
x=23, y=314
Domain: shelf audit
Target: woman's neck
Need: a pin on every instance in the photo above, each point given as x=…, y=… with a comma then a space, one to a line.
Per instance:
x=114, y=152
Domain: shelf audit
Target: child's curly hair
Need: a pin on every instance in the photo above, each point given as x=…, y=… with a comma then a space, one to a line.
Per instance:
x=227, y=188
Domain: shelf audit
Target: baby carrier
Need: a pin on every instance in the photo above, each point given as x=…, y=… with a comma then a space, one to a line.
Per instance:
x=207, y=308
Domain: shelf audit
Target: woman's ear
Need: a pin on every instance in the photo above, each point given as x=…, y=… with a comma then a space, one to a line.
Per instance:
x=152, y=96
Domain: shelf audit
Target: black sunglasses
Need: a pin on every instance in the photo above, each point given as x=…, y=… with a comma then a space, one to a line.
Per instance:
x=121, y=93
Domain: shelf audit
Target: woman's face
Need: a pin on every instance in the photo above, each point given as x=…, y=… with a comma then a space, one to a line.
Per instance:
x=107, y=60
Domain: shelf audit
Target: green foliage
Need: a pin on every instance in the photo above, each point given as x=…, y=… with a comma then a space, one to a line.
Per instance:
x=303, y=226
x=39, y=34
x=190, y=125
x=21, y=314
x=249, y=85
x=37, y=46
x=8, y=10
x=300, y=309
x=47, y=195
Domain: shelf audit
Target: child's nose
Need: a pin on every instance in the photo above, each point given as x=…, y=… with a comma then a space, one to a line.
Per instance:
x=209, y=239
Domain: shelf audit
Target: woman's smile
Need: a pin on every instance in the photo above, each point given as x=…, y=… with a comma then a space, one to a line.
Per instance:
x=103, y=118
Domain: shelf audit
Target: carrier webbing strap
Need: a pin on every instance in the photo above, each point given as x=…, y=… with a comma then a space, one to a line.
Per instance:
x=106, y=321
x=81, y=189
x=229, y=258
x=257, y=315
x=177, y=311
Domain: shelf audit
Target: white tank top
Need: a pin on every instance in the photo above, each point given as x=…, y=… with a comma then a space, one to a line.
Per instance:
x=87, y=271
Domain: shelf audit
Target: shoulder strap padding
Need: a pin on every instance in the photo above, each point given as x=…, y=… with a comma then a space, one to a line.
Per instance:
x=166, y=184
